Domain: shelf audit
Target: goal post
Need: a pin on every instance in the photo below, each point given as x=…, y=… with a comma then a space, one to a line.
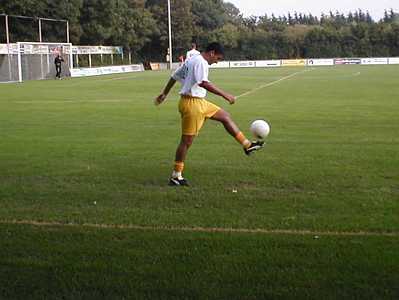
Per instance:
x=36, y=60
x=8, y=63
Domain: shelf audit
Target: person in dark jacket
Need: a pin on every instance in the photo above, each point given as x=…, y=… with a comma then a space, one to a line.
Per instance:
x=57, y=61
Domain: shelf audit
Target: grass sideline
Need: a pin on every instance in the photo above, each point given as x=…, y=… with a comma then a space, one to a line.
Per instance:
x=96, y=151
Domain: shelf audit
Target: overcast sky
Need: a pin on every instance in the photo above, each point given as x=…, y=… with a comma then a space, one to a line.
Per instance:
x=315, y=7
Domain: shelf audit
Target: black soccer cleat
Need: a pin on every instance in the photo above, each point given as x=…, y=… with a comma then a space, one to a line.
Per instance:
x=255, y=146
x=178, y=182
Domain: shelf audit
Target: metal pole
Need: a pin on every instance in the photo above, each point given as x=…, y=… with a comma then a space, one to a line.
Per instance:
x=8, y=50
x=19, y=63
x=40, y=30
x=67, y=31
x=170, y=37
x=48, y=62
x=40, y=40
x=70, y=58
x=7, y=33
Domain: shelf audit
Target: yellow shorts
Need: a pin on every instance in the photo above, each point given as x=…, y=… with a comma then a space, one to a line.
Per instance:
x=194, y=111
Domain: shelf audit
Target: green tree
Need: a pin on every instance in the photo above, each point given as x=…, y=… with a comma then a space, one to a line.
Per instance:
x=97, y=19
x=133, y=25
x=322, y=43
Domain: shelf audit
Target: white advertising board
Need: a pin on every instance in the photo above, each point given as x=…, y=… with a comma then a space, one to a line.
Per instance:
x=221, y=64
x=394, y=61
x=242, y=64
x=268, y=63
x=4, y=48
x=96, y=50
x=320, y=62
x=375, y=61
x=82, y=72
x=347, y=61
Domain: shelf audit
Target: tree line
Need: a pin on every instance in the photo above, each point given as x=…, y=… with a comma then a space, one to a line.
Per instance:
x=141, y=27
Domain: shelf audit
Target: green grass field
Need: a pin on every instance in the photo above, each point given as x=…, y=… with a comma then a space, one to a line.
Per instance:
x=86, y=213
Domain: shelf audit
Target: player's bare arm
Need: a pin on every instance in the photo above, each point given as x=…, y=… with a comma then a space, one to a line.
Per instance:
x=217, y=91
x=161, y=98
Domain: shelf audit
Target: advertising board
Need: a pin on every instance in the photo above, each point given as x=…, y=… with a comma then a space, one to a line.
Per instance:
x=4, y=48
x=220, y=65
x=347, y=61
x=375, y=61
x=293, y=62
x=268, y=63
x=320, y=62
x=96, y=50
x=82, y=72
x=242, y=64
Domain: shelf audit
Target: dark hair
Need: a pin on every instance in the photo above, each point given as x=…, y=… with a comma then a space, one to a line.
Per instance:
x=218, y=48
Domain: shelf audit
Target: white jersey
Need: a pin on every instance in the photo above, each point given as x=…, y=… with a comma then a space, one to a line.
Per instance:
x=191, y=74
x=192, y=53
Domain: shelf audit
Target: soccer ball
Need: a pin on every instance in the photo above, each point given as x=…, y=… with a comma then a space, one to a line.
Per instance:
x=260, y=129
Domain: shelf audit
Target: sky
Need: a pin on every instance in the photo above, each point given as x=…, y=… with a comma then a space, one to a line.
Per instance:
x=315, y=7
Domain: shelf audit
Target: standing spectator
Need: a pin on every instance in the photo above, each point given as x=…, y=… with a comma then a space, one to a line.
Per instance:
x=57, y=61
x=192, y=52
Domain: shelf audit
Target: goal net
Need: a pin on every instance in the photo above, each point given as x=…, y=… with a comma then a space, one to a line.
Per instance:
x=34, y=61
x=8, y=62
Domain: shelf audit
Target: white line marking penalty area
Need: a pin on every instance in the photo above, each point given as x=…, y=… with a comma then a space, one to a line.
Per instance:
x=270, y=83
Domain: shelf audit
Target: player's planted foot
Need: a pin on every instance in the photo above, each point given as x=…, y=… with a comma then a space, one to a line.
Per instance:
x=178, y=182
x=255, y=146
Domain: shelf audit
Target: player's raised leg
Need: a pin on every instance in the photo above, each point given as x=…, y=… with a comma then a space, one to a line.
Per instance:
x=231, y=127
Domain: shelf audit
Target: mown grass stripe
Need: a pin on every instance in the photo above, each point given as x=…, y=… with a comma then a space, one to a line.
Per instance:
x=202, y=229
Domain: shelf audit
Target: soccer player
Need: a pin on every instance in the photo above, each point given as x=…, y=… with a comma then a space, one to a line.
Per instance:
x=194, y=109
x=57, y=61
x=192, y=52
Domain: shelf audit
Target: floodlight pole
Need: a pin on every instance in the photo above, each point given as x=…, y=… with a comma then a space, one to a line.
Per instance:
x=8, y=50
x=40, y=30
x=67, y=30
x=7, y=33
x=170, y=37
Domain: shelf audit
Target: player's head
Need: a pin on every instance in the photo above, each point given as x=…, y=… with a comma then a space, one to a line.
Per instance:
x=193, y=46
x=215, y=52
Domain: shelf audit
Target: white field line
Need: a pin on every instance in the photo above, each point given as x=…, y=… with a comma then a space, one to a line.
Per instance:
x=201, y=229
x=271, y=83
x=71, y=101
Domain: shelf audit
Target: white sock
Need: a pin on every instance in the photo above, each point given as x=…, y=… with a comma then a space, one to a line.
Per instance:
x=177, y=175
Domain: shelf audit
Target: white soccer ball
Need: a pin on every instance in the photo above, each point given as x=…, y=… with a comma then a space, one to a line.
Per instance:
x=260, y=129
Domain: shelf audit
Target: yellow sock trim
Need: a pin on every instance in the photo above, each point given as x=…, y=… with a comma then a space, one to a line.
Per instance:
x=240, y=137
